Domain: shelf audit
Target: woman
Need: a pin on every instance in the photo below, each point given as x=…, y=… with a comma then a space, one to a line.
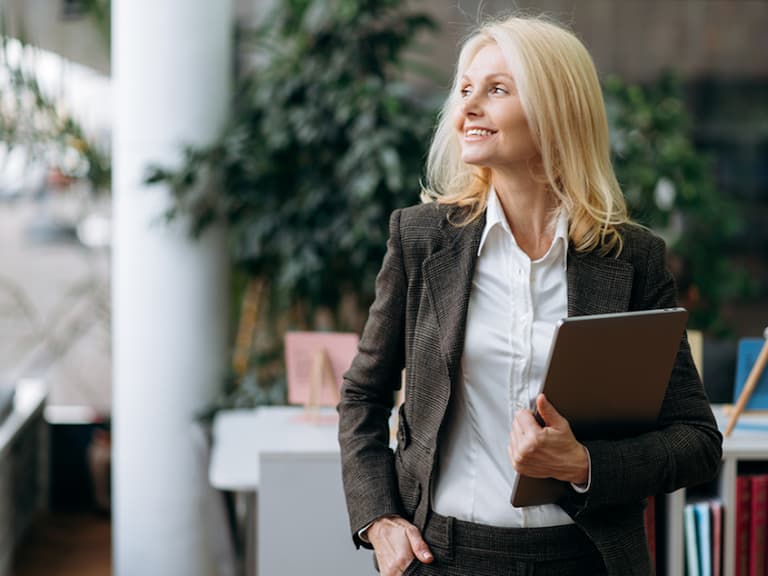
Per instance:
x=523, y=224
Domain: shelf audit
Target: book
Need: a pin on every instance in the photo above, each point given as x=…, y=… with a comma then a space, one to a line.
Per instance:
x=743, y=513
x=758, y=525
x=649, y=518
x=749, y=350
x=692, y=565
x=704, y=537
x=716, y=507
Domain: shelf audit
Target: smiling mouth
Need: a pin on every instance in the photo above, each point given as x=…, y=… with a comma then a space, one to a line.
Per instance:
x=479, y=132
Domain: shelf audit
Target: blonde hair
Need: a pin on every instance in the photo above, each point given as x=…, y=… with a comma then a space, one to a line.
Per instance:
x=562, y=100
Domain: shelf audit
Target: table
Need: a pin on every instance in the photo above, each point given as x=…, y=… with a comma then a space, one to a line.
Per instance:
x=290, y=458
x=240, y=434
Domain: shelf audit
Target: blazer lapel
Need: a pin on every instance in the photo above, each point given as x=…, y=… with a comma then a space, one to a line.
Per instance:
x=598, y=284
x=448, y=278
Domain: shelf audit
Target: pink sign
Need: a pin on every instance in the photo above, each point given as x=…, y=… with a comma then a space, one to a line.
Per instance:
x=308, y=370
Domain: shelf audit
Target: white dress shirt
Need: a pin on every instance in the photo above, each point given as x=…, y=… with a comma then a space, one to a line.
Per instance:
x=513, y=308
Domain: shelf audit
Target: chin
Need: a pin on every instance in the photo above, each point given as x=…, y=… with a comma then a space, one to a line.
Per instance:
x=472, y=160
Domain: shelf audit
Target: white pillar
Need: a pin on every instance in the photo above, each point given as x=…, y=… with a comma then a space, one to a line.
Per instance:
x=171, y=64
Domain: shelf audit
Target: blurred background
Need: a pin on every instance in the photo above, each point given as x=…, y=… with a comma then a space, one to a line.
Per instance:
x=183, y=181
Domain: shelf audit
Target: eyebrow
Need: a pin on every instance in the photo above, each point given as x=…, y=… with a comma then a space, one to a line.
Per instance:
x=493, y=76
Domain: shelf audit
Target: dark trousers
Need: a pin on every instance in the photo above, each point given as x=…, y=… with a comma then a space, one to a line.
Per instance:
x=468, y=549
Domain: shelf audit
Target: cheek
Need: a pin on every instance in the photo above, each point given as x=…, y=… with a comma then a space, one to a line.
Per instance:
x=524, y=126
x=458, y=119
x=458, y=123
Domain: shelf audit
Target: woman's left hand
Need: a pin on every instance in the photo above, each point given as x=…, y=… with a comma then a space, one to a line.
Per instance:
x=549, y=451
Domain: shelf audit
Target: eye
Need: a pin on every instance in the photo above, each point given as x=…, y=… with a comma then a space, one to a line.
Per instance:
x=499, y=89
x=465, y=91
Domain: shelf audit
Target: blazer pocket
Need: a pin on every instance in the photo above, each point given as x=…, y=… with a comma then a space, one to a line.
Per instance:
x=410, y=495
x=408, y=484
x=412, y=568
x=403, y=432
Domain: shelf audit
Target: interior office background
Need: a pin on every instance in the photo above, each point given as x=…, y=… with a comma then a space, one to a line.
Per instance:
x=717, y=48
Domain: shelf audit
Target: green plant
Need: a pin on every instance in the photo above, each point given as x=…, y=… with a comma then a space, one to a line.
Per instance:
x=32, y=118
x=325, y=140
x=669, y=187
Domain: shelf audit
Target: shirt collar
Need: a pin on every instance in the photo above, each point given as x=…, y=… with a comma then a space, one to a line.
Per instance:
x=494, y=216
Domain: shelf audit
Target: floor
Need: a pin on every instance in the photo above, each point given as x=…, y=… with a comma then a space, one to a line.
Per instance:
x=72, y=544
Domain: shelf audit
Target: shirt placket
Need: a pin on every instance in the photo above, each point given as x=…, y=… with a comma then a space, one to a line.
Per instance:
x=517, y=357
x=520, y=336
x=521, y=330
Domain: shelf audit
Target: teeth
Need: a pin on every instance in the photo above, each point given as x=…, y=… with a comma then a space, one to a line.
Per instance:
x=478, y=132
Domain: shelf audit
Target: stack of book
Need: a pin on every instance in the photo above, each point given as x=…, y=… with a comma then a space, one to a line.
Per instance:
x=704, y=538
x=751, y=525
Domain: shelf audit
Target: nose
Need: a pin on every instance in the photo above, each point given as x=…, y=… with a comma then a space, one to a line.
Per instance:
x=470, y=106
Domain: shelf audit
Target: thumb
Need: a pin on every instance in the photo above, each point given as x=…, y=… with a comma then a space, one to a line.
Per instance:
x=418, y=545
x=548, y=412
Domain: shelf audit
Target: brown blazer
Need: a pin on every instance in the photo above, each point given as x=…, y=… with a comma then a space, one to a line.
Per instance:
x=417, y=322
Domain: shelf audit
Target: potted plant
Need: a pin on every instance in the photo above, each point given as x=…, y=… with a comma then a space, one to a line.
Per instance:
x=324, y=141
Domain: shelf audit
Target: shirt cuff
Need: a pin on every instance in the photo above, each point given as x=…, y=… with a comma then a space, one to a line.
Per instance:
x=580, y=488
x=363, y=532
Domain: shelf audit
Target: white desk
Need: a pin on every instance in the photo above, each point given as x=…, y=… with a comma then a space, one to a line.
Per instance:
x=239, y=436
x=293, y=461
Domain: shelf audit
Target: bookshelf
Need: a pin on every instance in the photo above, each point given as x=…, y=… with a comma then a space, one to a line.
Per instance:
x=746, y=447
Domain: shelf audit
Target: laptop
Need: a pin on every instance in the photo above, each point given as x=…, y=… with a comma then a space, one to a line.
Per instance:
x=607, y=375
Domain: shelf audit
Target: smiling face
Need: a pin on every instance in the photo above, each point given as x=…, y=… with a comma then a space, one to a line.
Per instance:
x=492, y=126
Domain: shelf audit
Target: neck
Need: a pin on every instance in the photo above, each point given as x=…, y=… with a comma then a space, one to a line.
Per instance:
x=528, y=206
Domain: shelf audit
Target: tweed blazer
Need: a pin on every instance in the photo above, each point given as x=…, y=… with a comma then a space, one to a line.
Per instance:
x=417, y=322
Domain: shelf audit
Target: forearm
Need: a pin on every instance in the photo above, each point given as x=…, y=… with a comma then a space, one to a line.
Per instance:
x=368, y=469
x=684, y=450
x=367, y=397
x=686, y=446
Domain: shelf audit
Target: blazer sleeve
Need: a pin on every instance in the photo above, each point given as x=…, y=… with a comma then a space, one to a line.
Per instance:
x=686, y=447
x=367, y=397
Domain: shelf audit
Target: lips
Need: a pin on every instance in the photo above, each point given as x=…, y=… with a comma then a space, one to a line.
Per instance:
x=479, y=132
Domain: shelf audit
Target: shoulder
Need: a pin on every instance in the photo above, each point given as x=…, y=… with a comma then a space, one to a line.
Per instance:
x=640, y=243
x=424, y=215
x=426, y=229
x=422, y=222
x=647, y=253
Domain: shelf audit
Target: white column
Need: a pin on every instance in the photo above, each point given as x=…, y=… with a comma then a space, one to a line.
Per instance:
x=171, y=64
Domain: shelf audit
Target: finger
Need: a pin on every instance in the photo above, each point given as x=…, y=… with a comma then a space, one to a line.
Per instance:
x=519, y=445
x=520, y=434
x=395, y=560
x=517, y=428
x=391, y=544
x=418, y=545
x=527, y=424
x=548, y=412
x=513, y=457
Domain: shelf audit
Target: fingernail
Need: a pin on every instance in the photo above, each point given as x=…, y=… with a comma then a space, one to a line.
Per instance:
x=426, y=555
